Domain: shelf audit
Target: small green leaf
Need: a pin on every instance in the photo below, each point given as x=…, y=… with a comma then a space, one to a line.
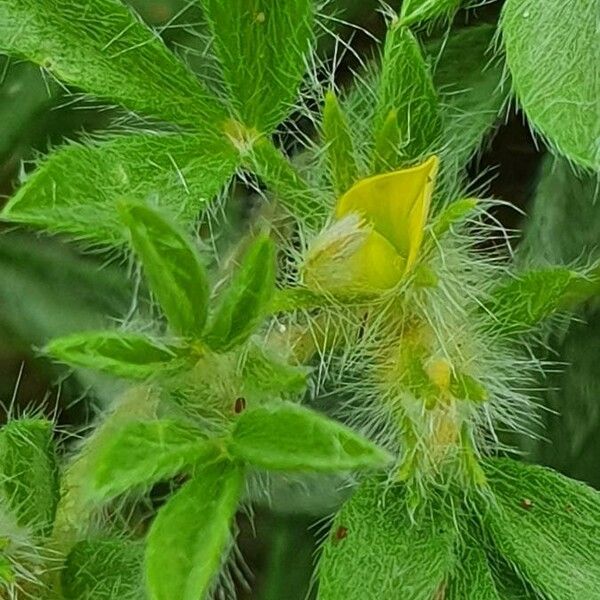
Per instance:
x=246, y=300
x=387, y=143
x=265, y=373
x=547, y=526
x=191, y=532
x=75, y=511
x=118, y=353
x=172, y=268
x=465, y=387
x=29, y=473
x=143, y=453
x=103, y=48
x=415, y=11
x=288, y=437
x=405, y=85
x=104, y=570
x=290, y=299
x=527, y=300
x=452, y=214
x=285, y=182
x=376, y=550
x=7, y=571
x=339, y=146
x=76, y=189
x=262, y=46
x=552, y=53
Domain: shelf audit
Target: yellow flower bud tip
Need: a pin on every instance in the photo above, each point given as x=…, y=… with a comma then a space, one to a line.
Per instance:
x=396, y=204
x=439, y=371
x=377, y=234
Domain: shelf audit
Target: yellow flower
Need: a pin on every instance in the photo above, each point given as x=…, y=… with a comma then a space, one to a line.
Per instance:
x=376, y=236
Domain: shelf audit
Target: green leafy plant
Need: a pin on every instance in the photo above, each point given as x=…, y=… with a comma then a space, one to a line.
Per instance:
x=355, y=327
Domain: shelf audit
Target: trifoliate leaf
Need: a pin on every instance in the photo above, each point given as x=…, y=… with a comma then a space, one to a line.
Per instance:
x=103, y=48
x=172, y=267
x=143, y=453
x=288, y=437
x=262, y=46
x=76, y=189
x=104, y=570
x=190, y=533
x=376, y=550
x=122, y=354
x=246, y=300
x=29, y=473
x=547, y=526
x=552, y=53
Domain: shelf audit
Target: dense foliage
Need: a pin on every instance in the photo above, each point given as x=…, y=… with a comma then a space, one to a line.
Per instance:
x=367, y=331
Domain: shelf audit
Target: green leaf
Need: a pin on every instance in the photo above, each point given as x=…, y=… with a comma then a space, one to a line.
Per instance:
x=564, y=222
x=190, y=533
x=75, y=511
x=7, y=571
x=414, y=11
x=262, y=46
x=469, y=80
x=288, y=437
x=465, y=387
x=387, y=143
x=339, y=146
x=58, y=291
x=285, y=182
x=376, y=550
x=290, y=299
x=473, y=578
x=525, y=301
x=452, y=214
x=406, y=86
x=143, y=453
x=246, y=300
x=172, y=268
x=25, y=99
x=264, y=372
x=76, y=189
x=104, y=570
x=547, y=526
x=29, y=473
x=552, y=53
x=118, y=353
x=564, y=227
x=103, y=48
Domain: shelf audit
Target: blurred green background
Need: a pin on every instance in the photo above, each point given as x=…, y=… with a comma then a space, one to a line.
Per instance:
x=49, y=287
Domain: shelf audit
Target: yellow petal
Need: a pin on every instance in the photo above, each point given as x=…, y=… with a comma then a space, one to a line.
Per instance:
x=376, y=265
x=351, y=257
x=396, y=204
